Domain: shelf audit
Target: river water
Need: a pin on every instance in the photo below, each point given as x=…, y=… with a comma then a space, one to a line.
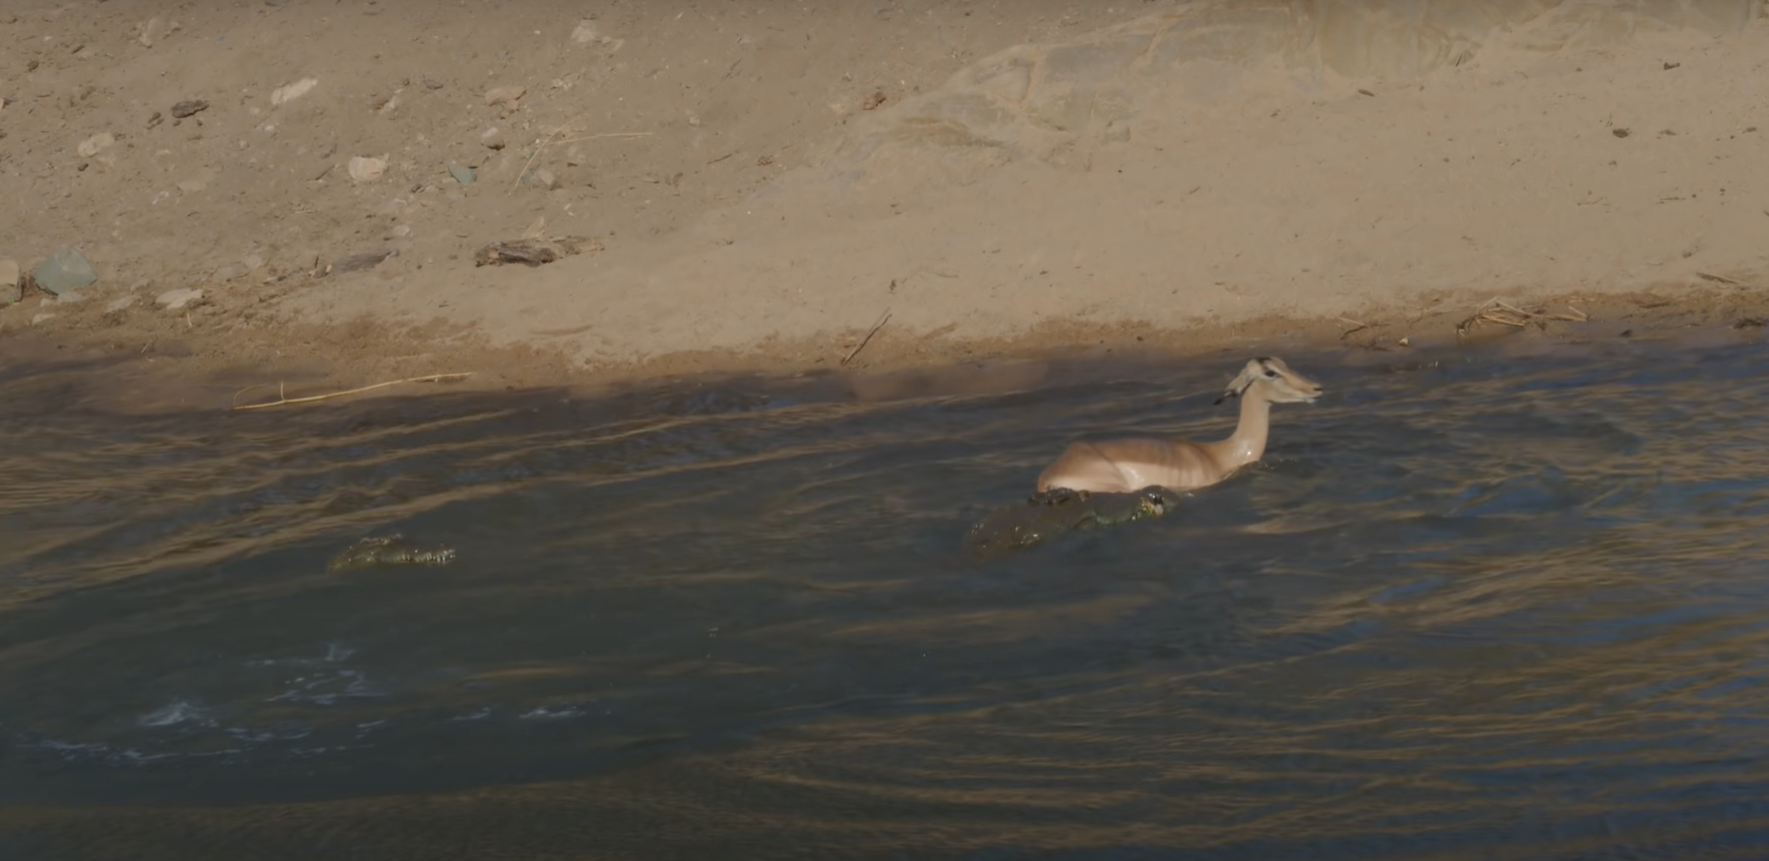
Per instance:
x=1474, y=604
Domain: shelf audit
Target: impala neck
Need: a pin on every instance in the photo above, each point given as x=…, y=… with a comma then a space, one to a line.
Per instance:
x=1247, y=443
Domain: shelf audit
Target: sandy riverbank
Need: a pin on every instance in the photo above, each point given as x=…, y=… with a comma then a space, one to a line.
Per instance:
x=758, y=189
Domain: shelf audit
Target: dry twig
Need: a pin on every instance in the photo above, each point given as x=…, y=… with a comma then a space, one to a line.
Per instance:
x=868, y=339
x=606, y=135
x=1721, y=279
x=1498, y=312
x=1356, y=326
x=545, y=142
x=282, y=399
x=548, y=141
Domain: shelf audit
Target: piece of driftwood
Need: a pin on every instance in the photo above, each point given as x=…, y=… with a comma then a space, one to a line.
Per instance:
x=1497, y=312
x=534, y=252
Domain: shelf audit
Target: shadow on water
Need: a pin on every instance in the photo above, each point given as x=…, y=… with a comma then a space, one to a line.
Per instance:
x=1470, y=605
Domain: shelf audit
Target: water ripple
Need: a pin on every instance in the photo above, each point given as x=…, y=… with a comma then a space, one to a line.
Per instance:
x=1469, y=607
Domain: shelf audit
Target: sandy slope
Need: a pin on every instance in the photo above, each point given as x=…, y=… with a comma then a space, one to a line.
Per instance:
x=1026, y=176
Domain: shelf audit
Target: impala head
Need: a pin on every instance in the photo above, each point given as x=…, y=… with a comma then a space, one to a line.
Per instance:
x=1275, y=381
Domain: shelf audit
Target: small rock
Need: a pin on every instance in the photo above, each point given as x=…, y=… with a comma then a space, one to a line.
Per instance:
x=189, y=108
x=228, y=272
x=359, y=262
x=585, y=33
x=432, y=83
x=492, y=137
x=366, y=169
x=120, y=303
x=388, y=108
x=462, y=174
x=10, y=289
x=92, y=145
x=504, y=95
x=151, y=31
x=542, y=178
x=290, y=92
x=38, y=318
x=67, y=270
x=173, y=300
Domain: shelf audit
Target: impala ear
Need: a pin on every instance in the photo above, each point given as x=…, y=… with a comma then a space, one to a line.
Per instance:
x=1235, y=390
x=1248, y=376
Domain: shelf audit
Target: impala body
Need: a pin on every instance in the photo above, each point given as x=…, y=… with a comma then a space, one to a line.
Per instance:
x=1132, y=464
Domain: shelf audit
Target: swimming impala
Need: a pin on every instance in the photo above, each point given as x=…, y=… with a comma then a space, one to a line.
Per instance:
x=1129, y=465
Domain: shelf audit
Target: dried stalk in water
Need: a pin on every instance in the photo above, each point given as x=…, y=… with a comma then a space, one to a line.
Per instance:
x=282, y=399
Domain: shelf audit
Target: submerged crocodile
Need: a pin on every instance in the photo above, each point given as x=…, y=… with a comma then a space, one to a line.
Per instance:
x=1046, y=515
x=389, y=550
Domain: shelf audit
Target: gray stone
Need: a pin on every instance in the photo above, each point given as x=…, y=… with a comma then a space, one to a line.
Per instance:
x=541, y=178
x=462, y=174
x=189, y=108
x=67, y=270
x=120, y=303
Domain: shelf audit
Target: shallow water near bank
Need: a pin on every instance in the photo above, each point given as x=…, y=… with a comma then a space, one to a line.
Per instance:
x=1472, y=605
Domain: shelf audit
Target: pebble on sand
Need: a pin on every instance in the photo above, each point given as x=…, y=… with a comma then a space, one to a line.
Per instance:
x=94, y=145
x=366, y=168
x=173, y=300
x=154, y=29
x=492, y=137
x=290, y=92
x=585, y=33
x=360, y=262
x=462, y=174
x=67, y=270
x=504, y=95
x=189, y=108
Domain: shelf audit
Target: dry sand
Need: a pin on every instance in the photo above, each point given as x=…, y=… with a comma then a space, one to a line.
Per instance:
x=758, y=187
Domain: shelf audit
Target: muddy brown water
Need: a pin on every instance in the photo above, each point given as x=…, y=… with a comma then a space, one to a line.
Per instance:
x=1473, y=605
